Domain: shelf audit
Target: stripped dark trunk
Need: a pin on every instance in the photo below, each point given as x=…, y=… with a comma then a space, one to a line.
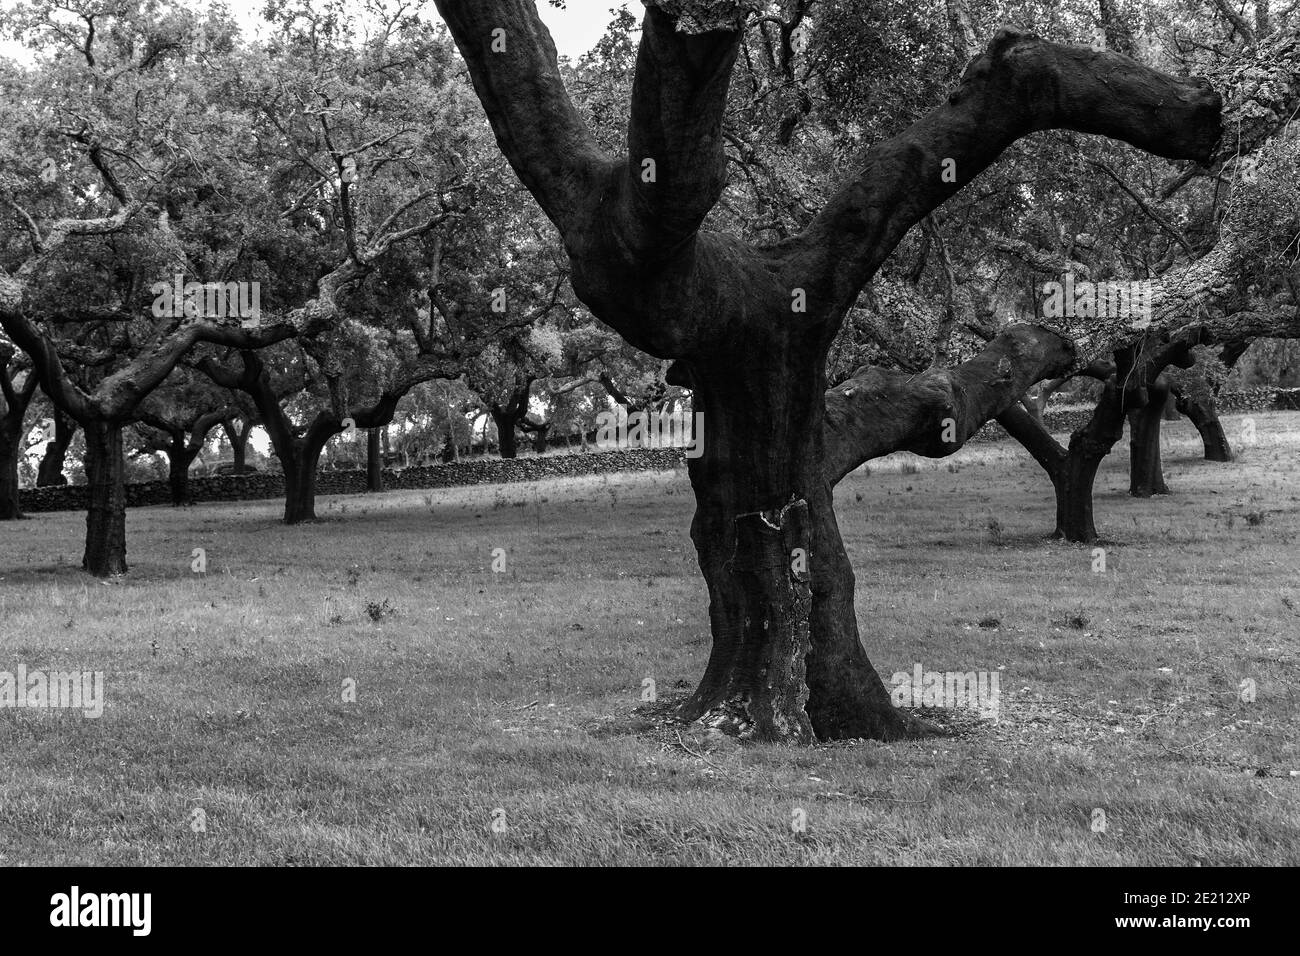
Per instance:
x=374, y=460
x=540, y=434
x=786, y=661
x=1146, y=477
x=1089, y=446
x=1204, y=415
x=10, y=441
x=179, y=459
x=238, y=437
x=507, y=444
x=49, y=473
x=1073, y=486
x=105, y=553
x=300, y=476
x=1072, y=471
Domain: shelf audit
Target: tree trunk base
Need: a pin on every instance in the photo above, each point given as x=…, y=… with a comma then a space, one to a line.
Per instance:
x=105, y=554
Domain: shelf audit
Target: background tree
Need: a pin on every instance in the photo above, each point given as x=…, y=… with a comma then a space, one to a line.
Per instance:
x=177, y=419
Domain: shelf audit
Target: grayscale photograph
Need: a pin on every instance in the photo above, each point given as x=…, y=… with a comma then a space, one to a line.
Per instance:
x=662, y=433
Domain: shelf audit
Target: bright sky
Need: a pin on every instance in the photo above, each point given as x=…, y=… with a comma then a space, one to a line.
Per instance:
x=576, y=29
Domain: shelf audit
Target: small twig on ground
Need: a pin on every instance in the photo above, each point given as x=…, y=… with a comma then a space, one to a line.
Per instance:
x=1196, y=743
x=681, y=743
x=868, y=796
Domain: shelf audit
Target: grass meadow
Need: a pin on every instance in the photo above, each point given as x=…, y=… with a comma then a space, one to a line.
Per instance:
x=498, y=714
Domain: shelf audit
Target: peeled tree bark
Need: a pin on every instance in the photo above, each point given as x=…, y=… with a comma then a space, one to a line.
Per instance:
x=749, y=327
x=1146, y=474
x=105, y=553
x=1201, y=412
x=1197, y=398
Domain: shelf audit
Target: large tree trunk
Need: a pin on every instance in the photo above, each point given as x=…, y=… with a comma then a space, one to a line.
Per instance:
x=374, y=460
x=1202, y=413
x=507, y=444
x=846, y=696
x=49, y=473
x=786, y=661
x=179, y=459
x=105, y=553
x=10, y=442
x=1089, y=446
x=723, y=311
x=1146, y=477
x=300, y=477
x=1072, y=471
x=238, y=445
x=540, y=434
x=1073, y=487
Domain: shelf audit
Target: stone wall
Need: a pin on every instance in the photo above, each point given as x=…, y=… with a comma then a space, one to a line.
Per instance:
x=1259, y=399
x=487, y=471
x=479, y=471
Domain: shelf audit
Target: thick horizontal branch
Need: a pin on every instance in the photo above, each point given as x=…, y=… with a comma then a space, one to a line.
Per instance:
x=933, y=413
x=1021, y=84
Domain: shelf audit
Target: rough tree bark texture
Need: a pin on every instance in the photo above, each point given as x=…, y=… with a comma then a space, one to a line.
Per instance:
x=1146, y=475
x=300, y=459
x=749, y=327
x=105, y=553
x=1202, y=412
